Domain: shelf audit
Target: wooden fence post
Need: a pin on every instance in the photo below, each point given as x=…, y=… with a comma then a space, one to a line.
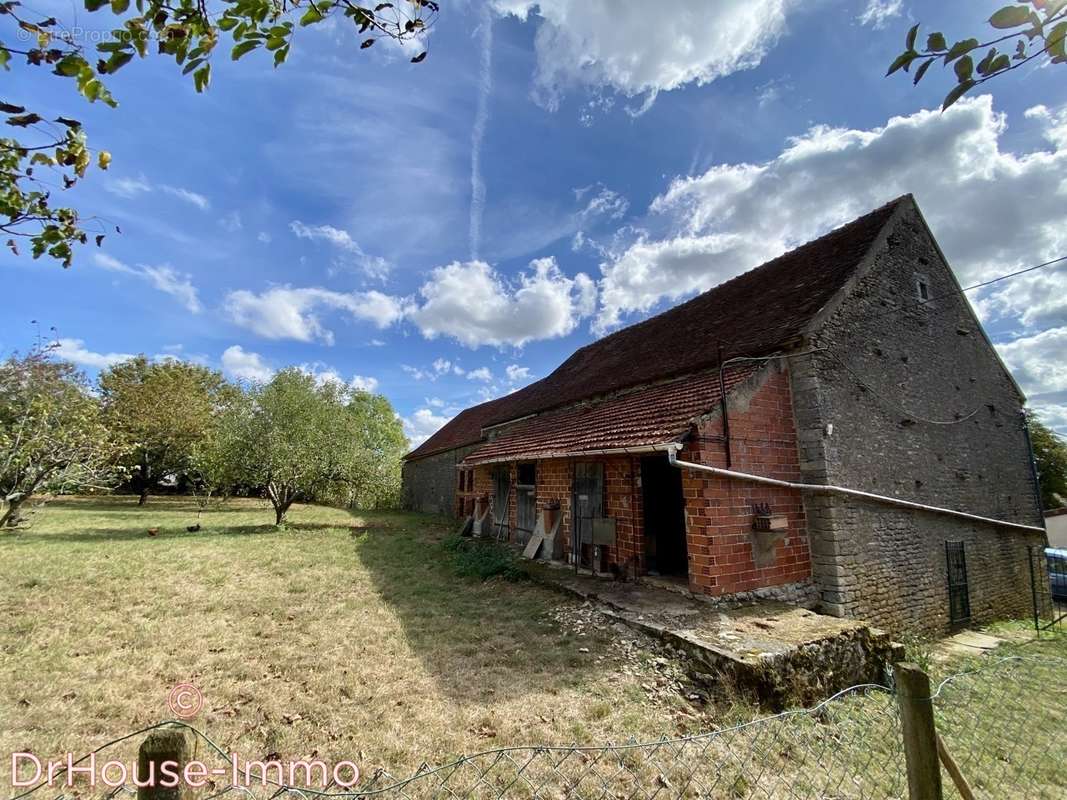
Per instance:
x=170, y=744
x=920, y=735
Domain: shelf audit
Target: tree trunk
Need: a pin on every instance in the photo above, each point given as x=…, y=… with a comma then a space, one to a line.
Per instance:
x=12, y=516
x=144, y=496
x=279, y=513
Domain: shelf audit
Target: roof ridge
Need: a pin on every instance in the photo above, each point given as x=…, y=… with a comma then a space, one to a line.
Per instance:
x=762, y=310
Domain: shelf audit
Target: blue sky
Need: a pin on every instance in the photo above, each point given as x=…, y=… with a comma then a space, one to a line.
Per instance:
x=447, y=232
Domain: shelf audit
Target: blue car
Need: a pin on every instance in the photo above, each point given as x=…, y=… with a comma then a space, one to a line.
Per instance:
x=1056, y=558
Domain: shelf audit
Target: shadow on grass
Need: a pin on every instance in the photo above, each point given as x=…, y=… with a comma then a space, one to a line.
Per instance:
x=481, y=640
x=168, y=533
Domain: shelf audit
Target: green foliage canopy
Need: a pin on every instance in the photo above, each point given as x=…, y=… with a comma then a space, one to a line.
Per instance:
x=52, y=433
x=165, y=410
x=302, y=440
x=1050, y=453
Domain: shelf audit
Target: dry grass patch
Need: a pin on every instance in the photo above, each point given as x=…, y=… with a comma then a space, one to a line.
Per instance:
x=346, y=635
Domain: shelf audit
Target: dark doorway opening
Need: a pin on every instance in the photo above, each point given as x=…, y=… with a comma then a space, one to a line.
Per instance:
x=664, y=512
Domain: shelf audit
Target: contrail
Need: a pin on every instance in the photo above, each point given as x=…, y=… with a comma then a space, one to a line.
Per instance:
x=481, y=119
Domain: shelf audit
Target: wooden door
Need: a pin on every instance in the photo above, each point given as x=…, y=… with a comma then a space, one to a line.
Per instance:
x=501, y=498
x=588, y=504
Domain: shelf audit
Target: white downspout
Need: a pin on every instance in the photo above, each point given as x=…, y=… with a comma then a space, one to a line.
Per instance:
x=812, y=487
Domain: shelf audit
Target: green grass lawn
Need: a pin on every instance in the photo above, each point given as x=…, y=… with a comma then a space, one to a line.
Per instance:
x=351, y=636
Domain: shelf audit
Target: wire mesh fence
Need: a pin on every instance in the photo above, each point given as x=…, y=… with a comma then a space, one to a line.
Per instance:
x=1002, y=721
x=1005, y=723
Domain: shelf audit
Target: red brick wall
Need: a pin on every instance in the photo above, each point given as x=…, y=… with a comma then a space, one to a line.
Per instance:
x=719, y=512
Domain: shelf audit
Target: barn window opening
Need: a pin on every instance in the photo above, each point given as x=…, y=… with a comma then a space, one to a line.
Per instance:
x=922, y=288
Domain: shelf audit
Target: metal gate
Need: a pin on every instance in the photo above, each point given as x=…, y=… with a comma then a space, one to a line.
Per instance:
x=1048, y=586
x=588, y=505
x=959, y=599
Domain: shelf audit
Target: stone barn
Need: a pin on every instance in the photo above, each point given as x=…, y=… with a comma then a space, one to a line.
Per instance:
x=833, y=427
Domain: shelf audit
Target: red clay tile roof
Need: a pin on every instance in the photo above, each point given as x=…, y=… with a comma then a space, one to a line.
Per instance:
x=650, y=415
x=756, y=313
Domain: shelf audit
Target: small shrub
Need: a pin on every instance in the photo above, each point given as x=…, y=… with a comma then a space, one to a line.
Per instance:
x=919, y=650
x=483, y=559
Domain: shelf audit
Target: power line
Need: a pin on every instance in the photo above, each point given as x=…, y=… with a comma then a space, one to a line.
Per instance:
x=1013, y=274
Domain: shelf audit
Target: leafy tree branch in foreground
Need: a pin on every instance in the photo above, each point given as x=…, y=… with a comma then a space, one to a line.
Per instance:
x=42, y=156
x=1029, y=32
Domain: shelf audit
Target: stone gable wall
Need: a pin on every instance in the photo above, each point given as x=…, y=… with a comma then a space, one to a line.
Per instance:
x=867, y=413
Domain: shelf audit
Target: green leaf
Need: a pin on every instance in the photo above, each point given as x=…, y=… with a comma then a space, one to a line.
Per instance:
x=1055, y=40
x=69, y=66
x=311, y=16
x=196, y=62
x=119, y=6
x=274, y=42
x=419, y=58
x=243, y=48
x=95, y=5
x=958, y=49
x=228, y=23
x=202, y=77
x=280, y=55
x=117, y=62
x=1001, y=62
x=964, y=69
x=984, y=65
x=922, y=69
x=936, y=42
x=903, y=60
x=909, y=42
x=1010, y=17
x=957, y=92
x=5, y=56
x=366, y=43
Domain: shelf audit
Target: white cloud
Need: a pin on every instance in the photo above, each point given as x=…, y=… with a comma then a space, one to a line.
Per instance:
x=1037, y=361
x=232, y=222
x=283, y=312
x=323, y=373
x=166, y=279
x=472, y=303
x=364, y=383
x=442, y=365
x=480, y=374
x=1054, y=415
x=423, y=424
x=74, y=350
x=241, y=364
x=878, y=13
x=128, y=187
x=516, y=373
x=435, y=402
x=606, y=203
x=191, y=197
x=263, y=237
x=992, y=210
x=637, y=49
x=373, y=266
x=132, y=187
